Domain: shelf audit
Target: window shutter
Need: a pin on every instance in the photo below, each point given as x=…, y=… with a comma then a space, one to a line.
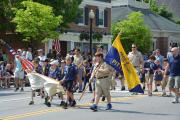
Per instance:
x=97, y=17
x=86, y=15
x=105, y=18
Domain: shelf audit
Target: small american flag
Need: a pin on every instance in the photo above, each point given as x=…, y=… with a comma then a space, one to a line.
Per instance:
x=57, y=45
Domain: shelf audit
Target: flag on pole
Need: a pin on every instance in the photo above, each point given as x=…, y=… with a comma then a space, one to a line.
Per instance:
x=117, y=58
x=57, y=45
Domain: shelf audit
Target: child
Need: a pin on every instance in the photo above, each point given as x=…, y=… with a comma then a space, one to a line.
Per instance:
x=158, y=75
x=150, y=73
x=38, y=69
x=68, y=80
x=87, y=75
x=55, y=73
x=165, y=77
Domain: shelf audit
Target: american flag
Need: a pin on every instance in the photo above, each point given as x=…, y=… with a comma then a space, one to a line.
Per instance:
x=26, y=64
x=57, y=45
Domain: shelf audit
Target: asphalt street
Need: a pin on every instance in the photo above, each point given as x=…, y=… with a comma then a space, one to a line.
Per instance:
x=14, y=106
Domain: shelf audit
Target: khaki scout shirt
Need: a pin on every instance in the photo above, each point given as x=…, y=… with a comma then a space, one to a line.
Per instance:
x=136, y=58
x=103, y=70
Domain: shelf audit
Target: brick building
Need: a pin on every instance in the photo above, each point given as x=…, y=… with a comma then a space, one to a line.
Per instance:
x=164, y=32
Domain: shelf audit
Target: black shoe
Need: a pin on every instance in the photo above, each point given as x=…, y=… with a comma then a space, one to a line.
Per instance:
x=123, y=88
x=103, y=98
x=65, y=106
x=31, y=103
x=73, y=103
x=48, y=104
x=144, y=87
x=45, y=100
x=62, y=103
x=16, y=89
x=22, y=89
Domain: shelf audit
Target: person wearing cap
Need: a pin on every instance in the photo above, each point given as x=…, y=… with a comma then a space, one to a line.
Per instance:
x=174, y=77
x=29, y=54
x=70, y=73
x=102, y=73
x=41, y=56
x=55, y=73
x=18, y=72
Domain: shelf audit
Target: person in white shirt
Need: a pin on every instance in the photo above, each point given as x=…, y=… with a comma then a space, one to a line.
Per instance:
x=41, y=56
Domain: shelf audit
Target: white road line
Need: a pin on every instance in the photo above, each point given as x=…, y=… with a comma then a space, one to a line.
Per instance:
x=8, y=100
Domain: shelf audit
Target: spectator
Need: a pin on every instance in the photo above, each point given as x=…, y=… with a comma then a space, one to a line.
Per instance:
x=29, y=54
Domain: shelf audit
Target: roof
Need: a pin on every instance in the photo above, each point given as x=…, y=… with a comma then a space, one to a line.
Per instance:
x=154, y=21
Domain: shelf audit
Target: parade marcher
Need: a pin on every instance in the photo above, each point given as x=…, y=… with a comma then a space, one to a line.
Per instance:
x=70, y=74
x=150, y=68
x=174, y=79
x=55, y=73
x=87, y=74
x=103, y=76
x=158, y=75
x=165, y=77
x=46, y=67
x=18, y=73
x=38, y=69
x=78, y=61
x=136, y=59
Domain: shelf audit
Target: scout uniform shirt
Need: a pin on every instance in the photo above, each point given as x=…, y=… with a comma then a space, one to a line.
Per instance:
x=106, y=70
x=135, y=58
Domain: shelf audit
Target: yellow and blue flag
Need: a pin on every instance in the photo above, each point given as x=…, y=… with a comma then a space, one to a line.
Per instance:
x=117, y=58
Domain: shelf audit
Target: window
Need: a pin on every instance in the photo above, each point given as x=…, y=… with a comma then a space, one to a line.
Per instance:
x=101, y=17
x=81, y=16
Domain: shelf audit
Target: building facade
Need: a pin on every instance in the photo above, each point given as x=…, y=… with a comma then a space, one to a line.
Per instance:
x=107, y=12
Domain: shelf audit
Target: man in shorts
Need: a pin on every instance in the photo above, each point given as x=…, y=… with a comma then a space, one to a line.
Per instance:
x=18, y=73
x=174, y=79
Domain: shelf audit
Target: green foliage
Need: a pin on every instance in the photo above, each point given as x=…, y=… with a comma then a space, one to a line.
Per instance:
x=178, y=21
x=164, y=12
x=133, y=30
x=161, y=10
x=97, y=36
x=67, y=8
x=84, y=36
x=36, y=21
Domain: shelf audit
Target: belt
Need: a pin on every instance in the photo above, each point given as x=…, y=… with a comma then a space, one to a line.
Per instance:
x=103, y=77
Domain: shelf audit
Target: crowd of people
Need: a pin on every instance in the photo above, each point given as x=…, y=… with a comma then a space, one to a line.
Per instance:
x=75, y=71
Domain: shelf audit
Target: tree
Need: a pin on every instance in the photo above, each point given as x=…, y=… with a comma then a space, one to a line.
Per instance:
x=36, y=21
x=67, y=8
x=161, y=10
x=133, y=30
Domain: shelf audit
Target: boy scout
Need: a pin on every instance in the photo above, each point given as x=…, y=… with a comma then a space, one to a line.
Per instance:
x=102, y=74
